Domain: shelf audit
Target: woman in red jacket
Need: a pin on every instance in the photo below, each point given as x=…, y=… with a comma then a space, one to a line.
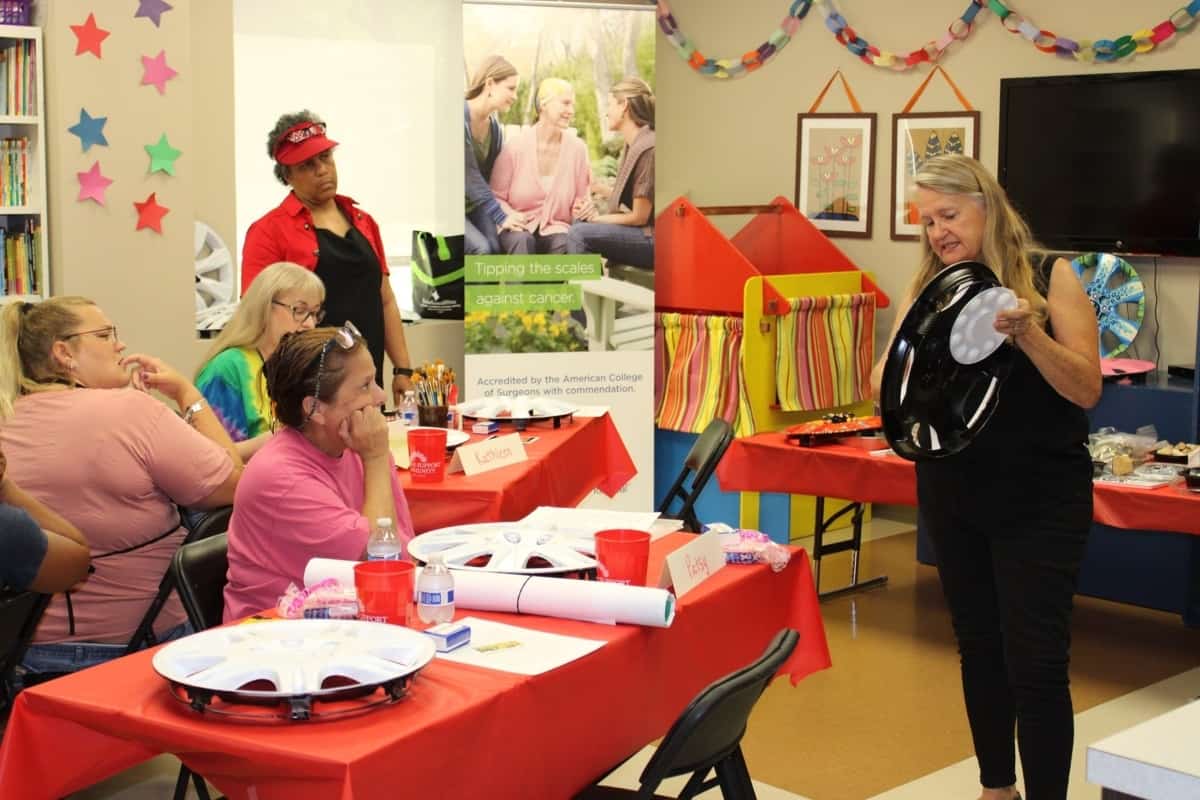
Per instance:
x=328, y=233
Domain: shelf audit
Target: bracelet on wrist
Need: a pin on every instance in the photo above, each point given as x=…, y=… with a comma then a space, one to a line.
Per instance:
x=405, y=371
x=189, y=413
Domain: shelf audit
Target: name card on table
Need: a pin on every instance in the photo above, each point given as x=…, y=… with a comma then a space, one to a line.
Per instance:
x=489, y=454
x=692, y=564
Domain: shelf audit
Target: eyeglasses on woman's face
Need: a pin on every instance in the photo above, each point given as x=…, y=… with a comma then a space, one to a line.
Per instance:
x=107, y=334
x=344, y=337
x=301, y=313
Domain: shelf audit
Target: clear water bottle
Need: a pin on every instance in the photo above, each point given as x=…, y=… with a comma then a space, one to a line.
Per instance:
x=408, y=409
x=382, y=544
x=435, y=591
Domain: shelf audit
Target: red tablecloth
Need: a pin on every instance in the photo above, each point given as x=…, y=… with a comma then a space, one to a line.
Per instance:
x=462, y=731
x=564, y=466
x=769, y=463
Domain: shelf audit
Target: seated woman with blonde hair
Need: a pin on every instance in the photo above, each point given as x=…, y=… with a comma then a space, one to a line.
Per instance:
x=282, y=299
x=112, y=460
x=541, y=174
x=323, y=479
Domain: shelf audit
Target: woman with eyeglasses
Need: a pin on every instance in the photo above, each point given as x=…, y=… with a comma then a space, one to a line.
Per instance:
x=284, y=298
x=328, y=233
x=83, y=436
x=325, y=476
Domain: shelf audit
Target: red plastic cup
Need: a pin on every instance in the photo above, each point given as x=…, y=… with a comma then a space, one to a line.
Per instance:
x=622, y=556
x=385, y=590
x=427, y=454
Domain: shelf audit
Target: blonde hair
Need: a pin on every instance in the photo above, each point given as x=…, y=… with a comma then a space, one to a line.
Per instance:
x=1008, y=249
x=551, y=88
x=492, y=68
x=29, y=331
x=250, y=320
x=640, y=99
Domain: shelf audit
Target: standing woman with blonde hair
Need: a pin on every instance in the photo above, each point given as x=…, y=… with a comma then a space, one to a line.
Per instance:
x=492, y=91
x=624, y=233
x=541, y=173
x=112, y=460
x=283, y=298
x=1009, y=516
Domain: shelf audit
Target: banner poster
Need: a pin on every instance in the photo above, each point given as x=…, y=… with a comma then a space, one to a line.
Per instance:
x=559, y=263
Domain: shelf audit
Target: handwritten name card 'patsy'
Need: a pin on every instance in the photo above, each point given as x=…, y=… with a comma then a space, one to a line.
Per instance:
x=692, y=564
x=489, y=454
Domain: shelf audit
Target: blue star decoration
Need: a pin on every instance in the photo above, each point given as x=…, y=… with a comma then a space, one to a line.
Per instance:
x=152, y=10
x=89, y=129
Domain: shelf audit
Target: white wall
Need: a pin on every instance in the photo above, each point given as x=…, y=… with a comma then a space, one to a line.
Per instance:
x=387, y=78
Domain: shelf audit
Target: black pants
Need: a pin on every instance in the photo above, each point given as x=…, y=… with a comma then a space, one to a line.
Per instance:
x=1009, y=548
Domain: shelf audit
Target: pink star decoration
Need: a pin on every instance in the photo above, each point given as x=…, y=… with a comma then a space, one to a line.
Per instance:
x=156, y=72
x=89, y=35
x=150, y=214
x=92, y=184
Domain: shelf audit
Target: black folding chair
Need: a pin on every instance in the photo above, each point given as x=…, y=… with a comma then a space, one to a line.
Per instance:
x=701, y=461
x=198, y=573
x=20, y=613
x=210, y=524
x=708, y=734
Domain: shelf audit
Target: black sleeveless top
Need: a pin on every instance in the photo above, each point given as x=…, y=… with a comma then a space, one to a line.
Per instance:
x=1034, y=429
x=352, y=275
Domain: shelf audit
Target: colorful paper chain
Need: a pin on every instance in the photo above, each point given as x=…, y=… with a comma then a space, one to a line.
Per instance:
x=732, y=67
x=1141, y=41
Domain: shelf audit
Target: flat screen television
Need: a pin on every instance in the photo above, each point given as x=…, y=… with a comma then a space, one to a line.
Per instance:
x=1106, y=163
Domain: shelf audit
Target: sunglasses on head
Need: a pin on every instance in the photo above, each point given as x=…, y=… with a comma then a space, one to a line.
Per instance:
x=300, y=134
x=344, y=337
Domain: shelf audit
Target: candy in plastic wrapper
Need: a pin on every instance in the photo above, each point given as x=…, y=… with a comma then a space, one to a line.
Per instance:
x=751, y=547
x=295, y=603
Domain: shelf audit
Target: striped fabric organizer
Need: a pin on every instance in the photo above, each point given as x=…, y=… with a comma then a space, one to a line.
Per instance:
x=698, y=372
x=823, y=351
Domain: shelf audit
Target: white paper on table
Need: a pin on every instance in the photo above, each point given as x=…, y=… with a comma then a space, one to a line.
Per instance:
x=591, y=411
x=537, y=652
x=662, y=526
x=587, y=520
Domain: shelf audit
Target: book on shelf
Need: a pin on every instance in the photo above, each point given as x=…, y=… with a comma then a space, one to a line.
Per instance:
x=22, y=259
x=18, y=78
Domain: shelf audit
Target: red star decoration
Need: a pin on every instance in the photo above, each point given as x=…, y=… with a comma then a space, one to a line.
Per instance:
x=150, y=214
x=90, y=35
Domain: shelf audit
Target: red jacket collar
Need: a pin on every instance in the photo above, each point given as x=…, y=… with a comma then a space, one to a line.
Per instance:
x=293, y=207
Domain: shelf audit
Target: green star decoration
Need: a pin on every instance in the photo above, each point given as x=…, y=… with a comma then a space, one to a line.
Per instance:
x=162, y=156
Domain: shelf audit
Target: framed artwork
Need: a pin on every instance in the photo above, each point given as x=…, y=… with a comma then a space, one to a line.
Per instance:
x=915, y=138
x=835, y=172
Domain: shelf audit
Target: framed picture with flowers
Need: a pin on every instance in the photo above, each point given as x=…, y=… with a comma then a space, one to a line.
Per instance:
x=835, y=171
x=917, y=137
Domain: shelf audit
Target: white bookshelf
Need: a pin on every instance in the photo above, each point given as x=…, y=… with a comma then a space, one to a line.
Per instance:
x=31, y=126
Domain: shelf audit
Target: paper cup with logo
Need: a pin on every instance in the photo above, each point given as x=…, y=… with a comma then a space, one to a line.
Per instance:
x=622, y=556
x=427, y=454
x=385, y=590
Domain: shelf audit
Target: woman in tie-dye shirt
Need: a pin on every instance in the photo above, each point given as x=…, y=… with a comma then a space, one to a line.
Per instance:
x=283, y=298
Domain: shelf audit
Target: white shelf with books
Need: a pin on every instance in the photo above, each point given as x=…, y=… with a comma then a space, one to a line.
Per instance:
x=23, y=235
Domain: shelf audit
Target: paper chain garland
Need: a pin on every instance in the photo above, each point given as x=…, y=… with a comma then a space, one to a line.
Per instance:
x=1141, y=41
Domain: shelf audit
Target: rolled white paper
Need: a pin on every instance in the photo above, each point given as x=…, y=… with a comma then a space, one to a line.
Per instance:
x=318, y=569
x=593, y=601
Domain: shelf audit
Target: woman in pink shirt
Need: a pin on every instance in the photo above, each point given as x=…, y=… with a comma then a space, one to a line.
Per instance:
x=314, y=488
x=112, y=460
x=541, y=174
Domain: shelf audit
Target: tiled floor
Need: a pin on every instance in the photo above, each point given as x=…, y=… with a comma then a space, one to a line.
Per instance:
x=887, y=722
